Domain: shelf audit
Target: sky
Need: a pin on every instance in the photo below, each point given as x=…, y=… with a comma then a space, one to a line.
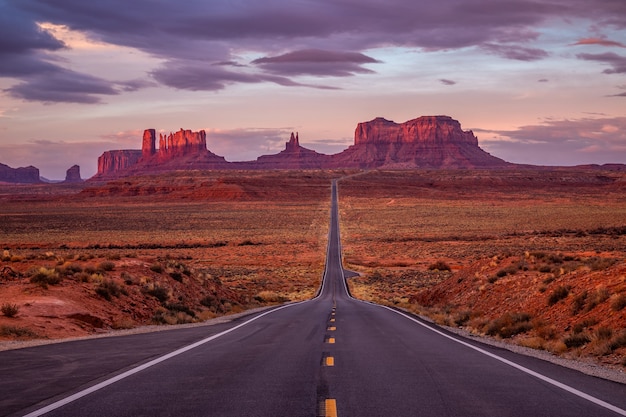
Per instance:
x=538, y=82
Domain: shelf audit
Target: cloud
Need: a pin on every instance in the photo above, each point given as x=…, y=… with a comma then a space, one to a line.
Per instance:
x=562, y=142
x=617, y=62
x=135, y=85
x=317, y=62
x=60, y=85
x=516, y=52
x=198, y=76
x=599, y=41
x=53, y=158
x=248, y=143
x=221, y=31
x=447, y=82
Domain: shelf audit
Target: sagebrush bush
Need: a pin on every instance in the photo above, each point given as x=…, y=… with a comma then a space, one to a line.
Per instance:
x=509, y=325
x=9, y=310
x=618, y=341
x=158, y=268
x=44, y=277
x=576, y=340
x=15, y=331
x=557, y=295
x=158, y=292
x=108, y=289
x=619, y=302
x=106, y=266
x=439, y=266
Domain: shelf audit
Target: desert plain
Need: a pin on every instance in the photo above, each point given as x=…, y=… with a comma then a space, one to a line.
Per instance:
x=535, y=257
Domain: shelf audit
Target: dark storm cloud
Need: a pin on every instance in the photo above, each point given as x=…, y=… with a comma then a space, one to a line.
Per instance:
x=212, y=32
x=317, y=62
x=617, y=62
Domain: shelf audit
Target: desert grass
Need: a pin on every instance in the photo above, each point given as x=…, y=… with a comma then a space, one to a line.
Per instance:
x=539, y=235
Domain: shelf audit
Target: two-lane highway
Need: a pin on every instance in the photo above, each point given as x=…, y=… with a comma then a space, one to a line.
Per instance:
x=332, y=355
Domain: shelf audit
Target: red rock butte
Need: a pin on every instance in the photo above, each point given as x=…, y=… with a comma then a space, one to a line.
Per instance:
x=432, y=142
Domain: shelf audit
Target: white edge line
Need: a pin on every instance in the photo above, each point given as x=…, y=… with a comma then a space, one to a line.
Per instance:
x=110, y=381
x=544, y=378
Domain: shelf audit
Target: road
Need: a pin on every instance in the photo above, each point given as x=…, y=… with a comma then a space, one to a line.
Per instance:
x=332, y=355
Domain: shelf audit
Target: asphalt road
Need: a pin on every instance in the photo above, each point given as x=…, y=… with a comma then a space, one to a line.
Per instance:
x=330, y=356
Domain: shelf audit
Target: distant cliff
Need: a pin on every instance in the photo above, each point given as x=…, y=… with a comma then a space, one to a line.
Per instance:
x=112, y=163
x=293, y=157
x=426, y=142
x=25, y=175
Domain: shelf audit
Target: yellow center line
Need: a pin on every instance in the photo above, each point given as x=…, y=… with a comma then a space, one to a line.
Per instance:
x=332, y=320
x=332, y=329
x=330, y=361
x=330, y=408
x=331, y=340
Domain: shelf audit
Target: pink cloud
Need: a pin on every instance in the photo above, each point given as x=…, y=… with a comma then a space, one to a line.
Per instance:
x=599, y=41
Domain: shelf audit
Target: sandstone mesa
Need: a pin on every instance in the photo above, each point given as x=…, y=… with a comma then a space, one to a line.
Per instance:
x=433, y=142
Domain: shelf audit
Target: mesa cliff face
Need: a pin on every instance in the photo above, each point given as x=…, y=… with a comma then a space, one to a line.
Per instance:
x=183, y=150
x=112, y=163
x=431, y=130
x=24, y=175
x=426, y=142
x=73, y=174
x=293, y=157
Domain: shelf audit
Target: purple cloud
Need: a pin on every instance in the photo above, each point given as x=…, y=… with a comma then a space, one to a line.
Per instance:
x=247, y=144
x=598, y=41
x=215, y=31
x=516, y=52
x=617, y=62
x=197, y=76
x=62, y=85
x=562, y=142
x=317, y=62
x=447, y=82
x=135, y=85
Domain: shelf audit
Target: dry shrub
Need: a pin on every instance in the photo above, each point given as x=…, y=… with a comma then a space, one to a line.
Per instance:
x=619, y=341
x=16, y=331
x=509, y=325
x=439, y=266
x=619, y=302
x=270, y=297
x=160, y=293
x=576, y=340
x=122, y=324
x=460, y=318
x=171, y=317
x=44, y=277
x=579, y=301
x=109, y=289
x=596, y=298
x=106, y=266
x=10, y=310
x=534, y=342
x=557, y=295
